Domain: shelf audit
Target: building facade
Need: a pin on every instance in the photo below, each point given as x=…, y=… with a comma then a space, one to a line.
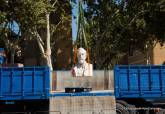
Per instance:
x=153, y=55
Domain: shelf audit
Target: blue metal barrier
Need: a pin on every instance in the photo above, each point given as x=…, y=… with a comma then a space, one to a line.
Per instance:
x=139, y=81
x=21, y=83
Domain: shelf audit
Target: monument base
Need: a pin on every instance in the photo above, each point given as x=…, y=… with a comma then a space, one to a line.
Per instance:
x=82, y=105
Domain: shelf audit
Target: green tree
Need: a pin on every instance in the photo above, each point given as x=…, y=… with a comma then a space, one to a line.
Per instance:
x=119, y=26
x=33, y=16
x=81, y=39
x=105, y=20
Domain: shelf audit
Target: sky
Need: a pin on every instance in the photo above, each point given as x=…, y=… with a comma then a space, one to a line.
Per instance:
x=74, y=20
x=13, y=26
x=74, y=25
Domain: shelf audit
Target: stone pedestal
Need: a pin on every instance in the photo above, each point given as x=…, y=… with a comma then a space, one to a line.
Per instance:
x=82, y=105
x=101, y=80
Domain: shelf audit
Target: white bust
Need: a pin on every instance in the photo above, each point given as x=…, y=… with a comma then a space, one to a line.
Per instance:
x=82, y=68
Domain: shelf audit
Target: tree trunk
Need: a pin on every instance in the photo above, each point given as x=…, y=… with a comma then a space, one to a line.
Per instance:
x=12, y=52
x=46, y=54
x=48, y=49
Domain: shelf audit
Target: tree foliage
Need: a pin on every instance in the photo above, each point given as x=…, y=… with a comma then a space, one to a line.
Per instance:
x=34, y=17
x=119, y=26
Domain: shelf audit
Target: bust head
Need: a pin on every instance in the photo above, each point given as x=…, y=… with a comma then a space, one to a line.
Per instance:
x=81, y=55
x=82, y=68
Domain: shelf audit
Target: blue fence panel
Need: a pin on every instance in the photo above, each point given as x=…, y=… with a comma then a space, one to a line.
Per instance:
x=155, y=78
x=139, y=81
x=24, y=83
x=163, y=79
x=6, y=80
x=144, y=78
x=123, y=80
x=133, y=78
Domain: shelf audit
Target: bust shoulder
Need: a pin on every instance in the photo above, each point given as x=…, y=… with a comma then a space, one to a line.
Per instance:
x=85, y=70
